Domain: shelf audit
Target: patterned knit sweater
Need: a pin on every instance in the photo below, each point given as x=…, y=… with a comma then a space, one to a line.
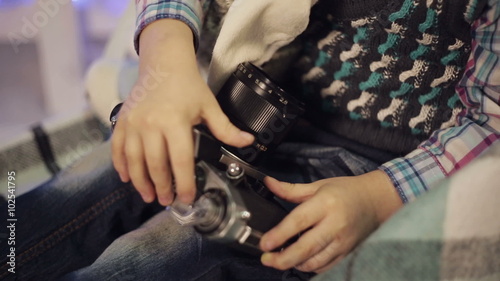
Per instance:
x=383, y=73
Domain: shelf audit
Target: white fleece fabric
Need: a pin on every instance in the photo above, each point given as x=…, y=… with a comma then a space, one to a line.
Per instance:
x=110, y=78
x=253, y=30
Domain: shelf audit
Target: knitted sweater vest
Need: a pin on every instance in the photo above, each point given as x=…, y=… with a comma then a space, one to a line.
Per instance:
x=383, y=73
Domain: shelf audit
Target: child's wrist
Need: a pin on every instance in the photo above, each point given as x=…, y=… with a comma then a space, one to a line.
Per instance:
x=381, y=194
x=167, y=44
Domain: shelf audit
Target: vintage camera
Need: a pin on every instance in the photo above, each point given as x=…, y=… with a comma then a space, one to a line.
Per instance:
x=233, y=206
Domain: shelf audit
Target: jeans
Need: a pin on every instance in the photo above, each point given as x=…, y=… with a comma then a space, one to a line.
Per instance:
x=85, y=224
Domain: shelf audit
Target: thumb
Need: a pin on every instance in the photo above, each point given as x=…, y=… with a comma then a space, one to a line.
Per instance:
x=292, y=192
x=224, y=130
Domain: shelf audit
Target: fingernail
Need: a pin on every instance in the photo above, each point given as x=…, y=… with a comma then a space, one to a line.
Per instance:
x=247, y=136
x=165, y=201
x=299, y=267
x=271, y=180
x=185, y=199
x=268, y=245
x=121, y=178
x=146, y=197
x=265, y=259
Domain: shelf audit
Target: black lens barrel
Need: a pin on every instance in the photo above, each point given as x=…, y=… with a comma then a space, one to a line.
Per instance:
x=254, y=103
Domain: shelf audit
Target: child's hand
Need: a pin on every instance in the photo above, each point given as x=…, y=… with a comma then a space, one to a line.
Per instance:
x=153, y=142
x=334, y=216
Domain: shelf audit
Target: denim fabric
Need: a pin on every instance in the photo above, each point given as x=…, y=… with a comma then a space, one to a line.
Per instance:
x=305, y=162
x=67, y=222
x=71, y=225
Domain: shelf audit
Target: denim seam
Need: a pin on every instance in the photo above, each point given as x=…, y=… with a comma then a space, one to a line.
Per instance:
x=63, y=232
x=219, y=264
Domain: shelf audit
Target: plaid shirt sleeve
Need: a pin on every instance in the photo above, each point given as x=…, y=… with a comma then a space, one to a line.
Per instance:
x=190, y=12
x=478, y=125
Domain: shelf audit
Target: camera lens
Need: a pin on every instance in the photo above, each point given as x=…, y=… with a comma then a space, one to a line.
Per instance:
x=254, y=103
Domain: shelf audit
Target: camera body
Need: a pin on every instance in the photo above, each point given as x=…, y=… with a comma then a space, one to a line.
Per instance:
x=233, y=206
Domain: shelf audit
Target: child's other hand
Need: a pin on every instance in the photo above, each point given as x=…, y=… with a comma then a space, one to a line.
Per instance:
x=334, y=216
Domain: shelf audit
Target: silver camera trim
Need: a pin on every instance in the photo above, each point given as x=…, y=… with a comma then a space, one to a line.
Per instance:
x=233, y=227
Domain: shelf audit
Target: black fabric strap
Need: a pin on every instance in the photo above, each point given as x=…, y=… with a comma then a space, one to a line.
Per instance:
x=45, y=149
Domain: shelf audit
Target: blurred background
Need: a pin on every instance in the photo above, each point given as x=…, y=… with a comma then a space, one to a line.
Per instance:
x=46, y=50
